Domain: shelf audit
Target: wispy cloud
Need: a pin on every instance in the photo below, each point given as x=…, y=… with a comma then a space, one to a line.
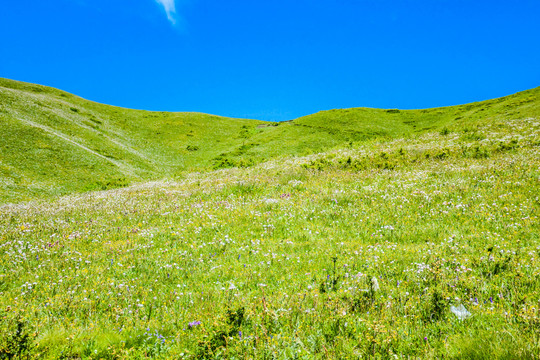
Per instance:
x=170, y=9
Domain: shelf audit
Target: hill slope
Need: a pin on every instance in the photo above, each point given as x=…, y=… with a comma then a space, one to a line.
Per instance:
x=54, y=143
x=422, y=247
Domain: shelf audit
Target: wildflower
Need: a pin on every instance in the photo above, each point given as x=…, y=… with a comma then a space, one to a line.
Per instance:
x=460, y=311
x=374, y=284
x=193, y=324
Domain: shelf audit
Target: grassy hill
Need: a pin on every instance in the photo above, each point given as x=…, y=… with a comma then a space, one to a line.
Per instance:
x=413, y=243
x=353, y=233
x=55, y=143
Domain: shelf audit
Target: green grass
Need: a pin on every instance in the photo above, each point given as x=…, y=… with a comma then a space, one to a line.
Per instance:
x=53, y=143
x=277, y=260
x=343, y=234
x=56, y=143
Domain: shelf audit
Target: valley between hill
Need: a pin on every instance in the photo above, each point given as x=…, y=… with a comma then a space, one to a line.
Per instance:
x=55, y=143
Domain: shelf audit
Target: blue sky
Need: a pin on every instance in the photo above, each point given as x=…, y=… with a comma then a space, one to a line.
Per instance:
x=273, y=59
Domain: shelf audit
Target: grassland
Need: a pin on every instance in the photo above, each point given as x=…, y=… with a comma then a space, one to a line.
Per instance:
x=54, y=143
x=360, y=250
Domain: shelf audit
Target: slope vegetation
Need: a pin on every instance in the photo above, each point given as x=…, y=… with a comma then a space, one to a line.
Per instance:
x=423, y=247
x=55, y=143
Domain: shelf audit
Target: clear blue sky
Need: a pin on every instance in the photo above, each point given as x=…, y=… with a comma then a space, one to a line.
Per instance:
x=273, y=59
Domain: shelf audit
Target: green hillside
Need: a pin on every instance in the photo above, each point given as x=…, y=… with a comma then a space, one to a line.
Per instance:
x=54, y=143
x=346, y=234
x=419, y=246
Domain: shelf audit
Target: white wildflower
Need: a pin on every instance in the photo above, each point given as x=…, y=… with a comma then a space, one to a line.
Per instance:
x=460, y=312
x=374, y=284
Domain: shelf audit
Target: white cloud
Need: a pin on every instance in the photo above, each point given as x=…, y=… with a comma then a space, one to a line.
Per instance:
x=170, y=9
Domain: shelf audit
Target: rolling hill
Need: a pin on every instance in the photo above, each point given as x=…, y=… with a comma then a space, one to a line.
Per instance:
x=420, y=246
x=55, y=143
x=346, y=234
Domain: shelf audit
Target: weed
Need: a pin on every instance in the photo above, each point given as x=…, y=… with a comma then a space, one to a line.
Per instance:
x=331, y=282
x=17, y=344
x=211, y=345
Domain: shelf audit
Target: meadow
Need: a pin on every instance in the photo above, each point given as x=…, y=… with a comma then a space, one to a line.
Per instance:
x=418, y=244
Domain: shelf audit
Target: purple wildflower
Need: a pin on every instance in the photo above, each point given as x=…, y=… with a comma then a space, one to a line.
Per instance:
x=193, y=324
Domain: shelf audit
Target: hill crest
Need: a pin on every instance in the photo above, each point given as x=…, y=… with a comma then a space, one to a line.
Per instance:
x=55, y=143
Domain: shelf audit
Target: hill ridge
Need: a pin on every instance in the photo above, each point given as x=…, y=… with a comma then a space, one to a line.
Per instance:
x=55, y=143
